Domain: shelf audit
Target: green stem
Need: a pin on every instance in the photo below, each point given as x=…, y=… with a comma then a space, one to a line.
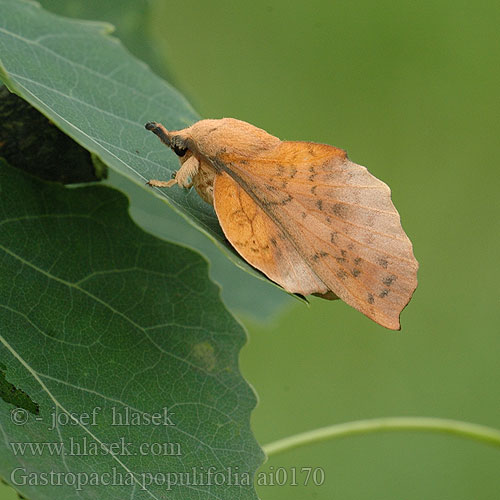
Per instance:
x=476, y=432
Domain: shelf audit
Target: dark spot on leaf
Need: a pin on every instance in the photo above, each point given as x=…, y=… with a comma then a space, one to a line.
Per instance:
x=15, y=396
x=371, y=300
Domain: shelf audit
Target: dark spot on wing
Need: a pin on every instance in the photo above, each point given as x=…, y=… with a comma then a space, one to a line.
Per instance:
x=340, y=260
x=356, y=272
x=281, y=170
x=384, y=293
x=319, y=255
x=333, y=237
x=371, y=300
x=311, y=169
x=284, y=184
x=370, y=239
x=389, y=280
x=357, y=261
x=344, y=253
x=319, y=204
x=273, y=203
x=341, y=274
x=293, y=171
x=350, y=246
x=311, y=177
x=304, y=215
x=313, y=190
x=339, y=210
x=383, y=262
x=328, y=219
x=270, y=188
x=273, y=241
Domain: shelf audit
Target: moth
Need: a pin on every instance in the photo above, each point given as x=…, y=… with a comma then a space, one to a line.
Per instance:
x=301, y=213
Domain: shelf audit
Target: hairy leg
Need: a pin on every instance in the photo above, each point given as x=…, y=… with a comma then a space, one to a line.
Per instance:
x=183, y=176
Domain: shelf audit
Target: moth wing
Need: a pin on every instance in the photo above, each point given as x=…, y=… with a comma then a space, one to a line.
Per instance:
x=260, y=241
x=334, y=217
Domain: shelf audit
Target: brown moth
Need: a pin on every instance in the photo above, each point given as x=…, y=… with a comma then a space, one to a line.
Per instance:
x=300, y=212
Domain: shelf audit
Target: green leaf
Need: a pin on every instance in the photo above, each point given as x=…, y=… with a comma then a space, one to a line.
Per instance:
x=132, y=18
x=97, y=314
x=98, y=94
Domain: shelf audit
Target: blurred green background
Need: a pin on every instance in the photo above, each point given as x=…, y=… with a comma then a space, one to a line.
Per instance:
x=412, y=91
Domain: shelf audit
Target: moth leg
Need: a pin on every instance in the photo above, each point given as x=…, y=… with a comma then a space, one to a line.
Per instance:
x=183, y=176
x=161, y=184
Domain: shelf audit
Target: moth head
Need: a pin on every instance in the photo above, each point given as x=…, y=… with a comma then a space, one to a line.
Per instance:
x=174, y=140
